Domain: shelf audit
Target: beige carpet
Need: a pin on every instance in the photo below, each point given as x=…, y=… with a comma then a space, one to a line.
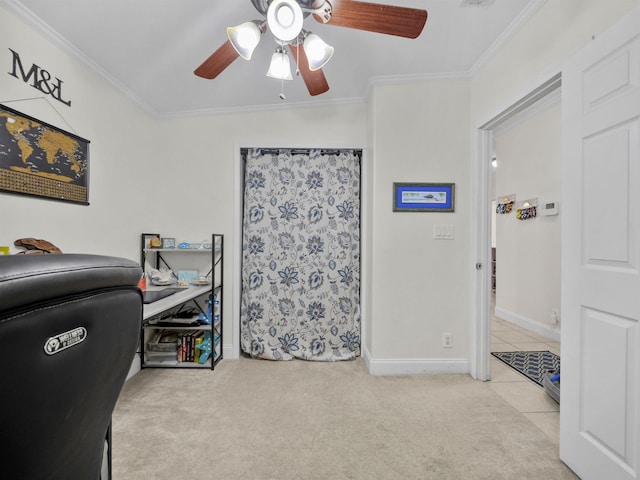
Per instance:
x=256, y=419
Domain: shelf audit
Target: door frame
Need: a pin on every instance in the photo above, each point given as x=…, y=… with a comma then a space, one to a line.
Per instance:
x=481, y=320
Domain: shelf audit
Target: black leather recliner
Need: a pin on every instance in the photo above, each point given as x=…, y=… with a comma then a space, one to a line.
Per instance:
x=69, y=328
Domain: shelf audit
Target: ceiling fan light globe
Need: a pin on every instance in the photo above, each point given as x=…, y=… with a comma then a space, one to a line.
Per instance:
x=280, y=66
x=318, y=51
x=285, y=19
x=244, y=38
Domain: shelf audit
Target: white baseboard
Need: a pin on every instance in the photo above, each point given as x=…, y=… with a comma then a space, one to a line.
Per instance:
x=227, y=352
x=376, y=366
x=548, y=331
x=414, y=366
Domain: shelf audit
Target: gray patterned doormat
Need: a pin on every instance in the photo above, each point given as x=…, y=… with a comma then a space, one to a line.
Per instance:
x=533, y=365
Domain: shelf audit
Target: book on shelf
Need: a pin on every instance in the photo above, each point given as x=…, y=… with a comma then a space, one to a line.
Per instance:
x=196, y=357
x=188, y=340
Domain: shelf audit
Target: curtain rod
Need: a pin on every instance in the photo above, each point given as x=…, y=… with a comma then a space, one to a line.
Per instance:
x=298, y=151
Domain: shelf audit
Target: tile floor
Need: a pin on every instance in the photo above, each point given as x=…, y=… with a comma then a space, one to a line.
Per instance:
x=523, y=394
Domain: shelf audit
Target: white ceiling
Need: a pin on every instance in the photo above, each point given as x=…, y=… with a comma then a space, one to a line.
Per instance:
x=149, y=49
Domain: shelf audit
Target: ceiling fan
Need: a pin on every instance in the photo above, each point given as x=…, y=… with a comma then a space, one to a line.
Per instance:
x=284, y=19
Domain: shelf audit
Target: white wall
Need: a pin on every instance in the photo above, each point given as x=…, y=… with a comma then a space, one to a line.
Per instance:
x=122, y=141
x=420, y=286
x=529, y=154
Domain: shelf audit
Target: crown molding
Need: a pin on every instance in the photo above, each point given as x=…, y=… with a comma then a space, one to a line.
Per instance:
x=417, y=78
x=37, y=24
x=263, y=108
x=523, y=17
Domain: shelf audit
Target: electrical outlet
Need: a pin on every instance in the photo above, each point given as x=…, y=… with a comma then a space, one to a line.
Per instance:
x=555, y=316
x=447, y=340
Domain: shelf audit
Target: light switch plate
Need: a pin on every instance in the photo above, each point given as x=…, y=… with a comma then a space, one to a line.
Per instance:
x=443, y=232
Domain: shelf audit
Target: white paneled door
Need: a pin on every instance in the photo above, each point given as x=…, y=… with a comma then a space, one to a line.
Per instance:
x=600, y=377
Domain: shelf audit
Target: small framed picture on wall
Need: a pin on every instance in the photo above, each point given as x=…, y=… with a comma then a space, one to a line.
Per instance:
x=423, y=197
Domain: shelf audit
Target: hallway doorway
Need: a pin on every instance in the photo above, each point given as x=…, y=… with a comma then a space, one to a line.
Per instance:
x=525, y=242
x=486, y=143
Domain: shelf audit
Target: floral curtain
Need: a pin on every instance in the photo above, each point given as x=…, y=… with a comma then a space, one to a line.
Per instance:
x=301, y=254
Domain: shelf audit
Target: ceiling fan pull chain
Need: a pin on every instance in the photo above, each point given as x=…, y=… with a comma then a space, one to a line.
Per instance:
x=282, y=96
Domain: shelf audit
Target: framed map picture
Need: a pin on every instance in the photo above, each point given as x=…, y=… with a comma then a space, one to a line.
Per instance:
x=41, y=160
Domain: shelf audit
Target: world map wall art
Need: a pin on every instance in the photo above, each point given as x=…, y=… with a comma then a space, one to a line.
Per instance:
x=41, y=160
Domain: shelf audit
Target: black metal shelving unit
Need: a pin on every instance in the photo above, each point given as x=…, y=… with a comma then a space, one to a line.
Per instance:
x=195, y=299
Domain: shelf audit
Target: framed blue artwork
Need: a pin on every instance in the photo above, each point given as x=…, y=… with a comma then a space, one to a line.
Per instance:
x=423, y=197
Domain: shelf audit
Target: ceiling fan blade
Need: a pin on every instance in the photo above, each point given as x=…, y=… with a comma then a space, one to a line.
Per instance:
x=217, y=62
x=377, y=17
x=314, y=80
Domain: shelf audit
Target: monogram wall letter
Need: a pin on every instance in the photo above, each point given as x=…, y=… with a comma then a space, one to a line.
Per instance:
x=39, y=78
